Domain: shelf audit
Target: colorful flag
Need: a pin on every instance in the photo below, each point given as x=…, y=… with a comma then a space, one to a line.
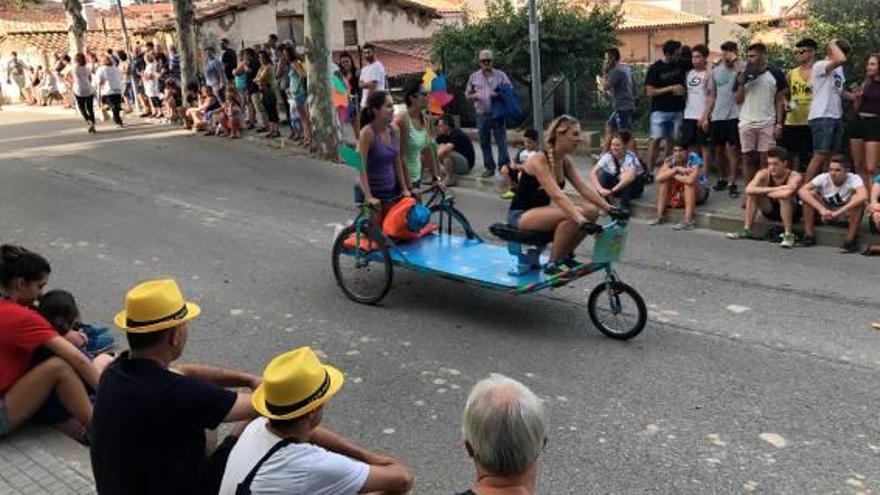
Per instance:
x=350, y=157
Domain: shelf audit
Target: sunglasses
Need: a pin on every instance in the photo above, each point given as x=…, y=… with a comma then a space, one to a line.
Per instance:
x=486, y=61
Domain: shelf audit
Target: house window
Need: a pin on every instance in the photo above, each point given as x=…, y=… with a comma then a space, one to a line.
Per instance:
x=291, y=27
x=350, y=33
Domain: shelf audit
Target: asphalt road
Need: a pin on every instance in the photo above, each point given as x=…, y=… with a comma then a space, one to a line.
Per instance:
x=758, y=371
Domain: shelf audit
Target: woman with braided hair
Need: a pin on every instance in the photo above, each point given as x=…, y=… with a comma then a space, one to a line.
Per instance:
x=540, y=203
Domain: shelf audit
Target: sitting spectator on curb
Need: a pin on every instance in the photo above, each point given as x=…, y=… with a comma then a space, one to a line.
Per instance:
x=682, y=183
x=504, y=426
x=618, y=173
x=148, y=433
x=456, y=150
x=24, y=389
x=286, y=451
x=874, y=216
x=835, y=196
x=510, y=172
x=773, y=191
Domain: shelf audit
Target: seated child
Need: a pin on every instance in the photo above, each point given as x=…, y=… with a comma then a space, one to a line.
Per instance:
x=511, y=171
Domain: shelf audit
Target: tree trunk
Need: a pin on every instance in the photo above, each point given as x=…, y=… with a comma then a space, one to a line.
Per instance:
x=319, y=79
x=77, y=26
x=184, y=15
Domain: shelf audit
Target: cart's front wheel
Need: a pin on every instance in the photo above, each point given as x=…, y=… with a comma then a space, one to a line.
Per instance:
x=362, y=264
x=617, y=310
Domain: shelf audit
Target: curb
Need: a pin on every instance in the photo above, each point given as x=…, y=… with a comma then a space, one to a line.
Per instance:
x=710, y=220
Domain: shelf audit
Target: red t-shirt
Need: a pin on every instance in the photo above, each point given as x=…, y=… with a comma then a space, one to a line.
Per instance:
x=21, y=331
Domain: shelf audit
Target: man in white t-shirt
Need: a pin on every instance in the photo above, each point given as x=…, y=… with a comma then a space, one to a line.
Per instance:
x=694, y=133
x=280, y=452
x=826, y=108
x=835, y=196
x=372, y=74
x=761, y=92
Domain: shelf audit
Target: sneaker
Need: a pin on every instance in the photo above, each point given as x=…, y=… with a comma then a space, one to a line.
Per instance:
x=487, y=173
x=684, y=226
x=98, y=344
x=508, y=194
x=740, y=233
x=720, y=185
x=658, y=221
x=787, y=240
x=733, y=191
x=570, y=262
x=808, y=241
x=850, y=246
x=555, y=269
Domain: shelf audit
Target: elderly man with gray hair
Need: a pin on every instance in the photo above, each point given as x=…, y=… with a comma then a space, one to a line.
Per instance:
x=482, y=87
x=505, y=430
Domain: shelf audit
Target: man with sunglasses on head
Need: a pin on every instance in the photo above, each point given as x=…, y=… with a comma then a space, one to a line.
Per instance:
x=482, y=87
x=796, y=135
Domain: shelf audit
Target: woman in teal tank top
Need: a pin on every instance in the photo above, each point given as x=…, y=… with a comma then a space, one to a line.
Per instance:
x=415, y=134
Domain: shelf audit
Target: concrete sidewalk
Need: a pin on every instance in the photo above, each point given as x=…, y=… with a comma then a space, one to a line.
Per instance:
x=38, y=460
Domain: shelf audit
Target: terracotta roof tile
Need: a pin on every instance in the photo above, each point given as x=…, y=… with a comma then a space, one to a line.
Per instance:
x=638, y=16
x=56, y=42
x=42, y=17
x=442, y=6
x=401, y=57
x=751, y=18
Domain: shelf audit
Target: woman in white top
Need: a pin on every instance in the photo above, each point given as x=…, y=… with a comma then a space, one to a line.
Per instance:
x=83, y=90
x=110, y=86
x=151, y=87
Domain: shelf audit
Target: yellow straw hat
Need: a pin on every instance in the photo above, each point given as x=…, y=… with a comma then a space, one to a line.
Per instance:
x=153, y=306
x=295, y=383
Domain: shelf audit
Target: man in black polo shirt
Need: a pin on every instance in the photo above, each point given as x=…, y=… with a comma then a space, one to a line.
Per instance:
x=149, y=422
x=665, y=86
x=456, y=150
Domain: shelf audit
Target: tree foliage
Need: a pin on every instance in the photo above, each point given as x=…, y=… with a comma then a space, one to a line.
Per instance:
x=573, y=40
x=854, y=20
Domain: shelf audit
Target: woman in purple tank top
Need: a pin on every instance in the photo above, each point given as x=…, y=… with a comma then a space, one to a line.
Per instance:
x=379, y=147
x=865, y=134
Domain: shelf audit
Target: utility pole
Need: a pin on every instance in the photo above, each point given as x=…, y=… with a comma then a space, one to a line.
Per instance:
x=535, y=51
x=319, y=79
x=137, y=105
x=184, y=17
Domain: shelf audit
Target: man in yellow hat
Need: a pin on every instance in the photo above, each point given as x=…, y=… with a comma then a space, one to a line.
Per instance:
x=149, y=421
x=278, y=453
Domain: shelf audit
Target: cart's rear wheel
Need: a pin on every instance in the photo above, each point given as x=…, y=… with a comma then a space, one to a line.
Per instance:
x=617, y=310
x=363, y=271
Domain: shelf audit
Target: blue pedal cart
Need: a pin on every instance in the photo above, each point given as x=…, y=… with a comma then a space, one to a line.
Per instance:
x=364, y=260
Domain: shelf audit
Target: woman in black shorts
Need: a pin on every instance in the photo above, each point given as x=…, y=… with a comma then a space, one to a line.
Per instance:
x=865, y=135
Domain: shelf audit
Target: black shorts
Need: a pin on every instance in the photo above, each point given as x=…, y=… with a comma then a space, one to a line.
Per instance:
x=692, y=135
x=775, y=213
x=867, y=128
x=797, y=139
x=156, y=101
x=725, y=132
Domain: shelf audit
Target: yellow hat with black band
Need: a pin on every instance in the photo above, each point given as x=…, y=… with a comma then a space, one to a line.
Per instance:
x=153, y=306
x=294, y=384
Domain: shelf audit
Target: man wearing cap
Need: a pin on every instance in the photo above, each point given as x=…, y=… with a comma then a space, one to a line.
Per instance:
x=482, y=87
x=277, y=453
x=149, y=421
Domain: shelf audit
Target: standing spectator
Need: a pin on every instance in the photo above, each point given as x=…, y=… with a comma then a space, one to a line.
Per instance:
x=665, y=86
x=151, y=414
x=243, y=81
x=826, y=109
x=416, y=135
x=16, y=71
x=865, y=142
x=724, y=117
x=286, y=53
x=761, y=92
x=268, y=89
x=773, y=192
x=287, y=451
x=174, y=64
x=272, y=47
x=128, y=85
x=682, y=183
x=227, y=56
x=696, y=112
x=482, y=87
x=215, y=74
x=150, y=77
x=372, y=74
x=619, y=81
x=796, y=135
x=110, y=87
x=299, y=89
x=455, y=150
x=618, y=173
x=504, y=427
x=835, y=196
x=84, y=91
x=253, y=64
x=351, y=76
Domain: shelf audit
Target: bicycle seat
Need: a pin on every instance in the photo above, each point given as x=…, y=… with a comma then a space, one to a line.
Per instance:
x=529, y=237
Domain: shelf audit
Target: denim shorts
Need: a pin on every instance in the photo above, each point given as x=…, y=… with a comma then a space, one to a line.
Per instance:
x=5, y=427
x=666, y=124
x=620, y=120
x=827, y=134
x=513, y=217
